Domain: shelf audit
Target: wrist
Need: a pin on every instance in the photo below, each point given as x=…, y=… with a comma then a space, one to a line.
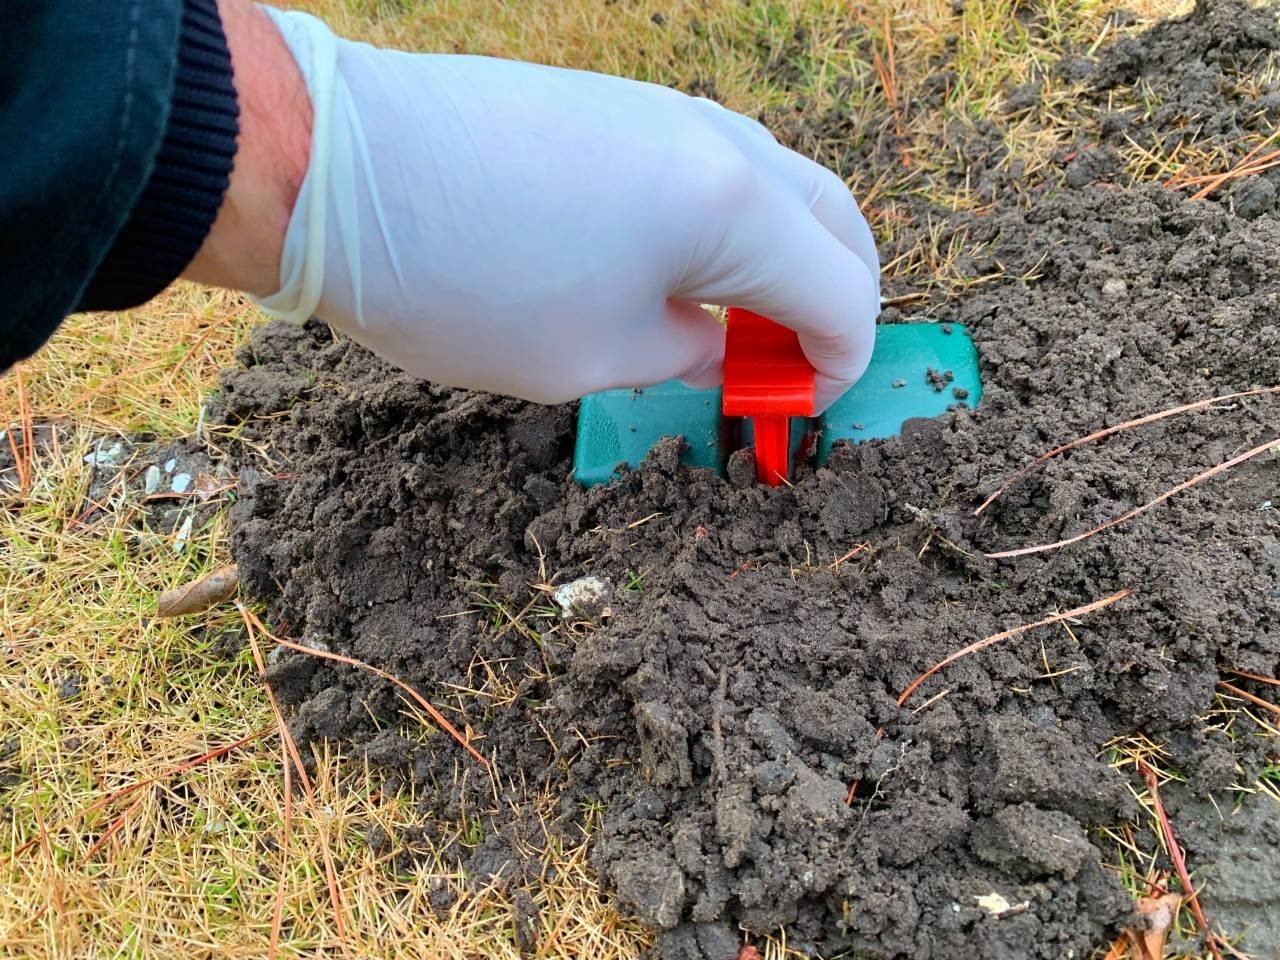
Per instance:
x=243, y=248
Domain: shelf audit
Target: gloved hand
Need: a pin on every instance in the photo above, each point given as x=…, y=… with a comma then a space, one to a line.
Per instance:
x=547, y=233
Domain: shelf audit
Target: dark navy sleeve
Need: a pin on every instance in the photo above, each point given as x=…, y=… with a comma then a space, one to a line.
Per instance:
x=118, y=123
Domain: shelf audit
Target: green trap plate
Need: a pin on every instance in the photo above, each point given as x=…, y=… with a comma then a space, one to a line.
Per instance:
x=918, y=370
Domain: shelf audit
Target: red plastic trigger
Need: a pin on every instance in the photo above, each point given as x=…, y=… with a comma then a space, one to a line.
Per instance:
x=768, y=378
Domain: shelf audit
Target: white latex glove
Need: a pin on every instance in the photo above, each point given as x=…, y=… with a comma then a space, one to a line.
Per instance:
x=548, y=233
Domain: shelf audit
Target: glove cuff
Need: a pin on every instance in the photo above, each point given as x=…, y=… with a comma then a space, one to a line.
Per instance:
x=302, y=261
x=181, y=200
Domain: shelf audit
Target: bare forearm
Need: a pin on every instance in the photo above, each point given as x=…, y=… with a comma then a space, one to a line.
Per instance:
x=242, y=251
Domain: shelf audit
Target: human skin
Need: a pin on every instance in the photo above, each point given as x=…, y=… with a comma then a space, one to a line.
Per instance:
x=243, y=248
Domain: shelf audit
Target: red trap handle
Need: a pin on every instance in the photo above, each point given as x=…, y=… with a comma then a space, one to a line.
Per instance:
x=768, y=378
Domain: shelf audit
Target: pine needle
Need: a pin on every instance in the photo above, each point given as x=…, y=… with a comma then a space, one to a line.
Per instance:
x=1254, y=676
x=1006, y=634
x=1246, y=695
x=1246, y=166
x=422, y=701
x=1110, y=431
x=123, y=792
x=330, y=869
x=277, y=914
x=116, y=826
x=1175, y=854
x=1273, y=444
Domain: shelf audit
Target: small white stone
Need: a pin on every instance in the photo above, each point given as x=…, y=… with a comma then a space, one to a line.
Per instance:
x=151, y=482
x=587, y=595
x=184, y=534
x=107, y=457
x=1115, y=288
x=993, y=903
x=997, y=904
x=182, y=483
x=170, y=464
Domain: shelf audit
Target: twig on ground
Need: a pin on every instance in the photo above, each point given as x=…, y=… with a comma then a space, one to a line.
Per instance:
x=904, y=299
x=1246, y=166
x=850, y=554
x=116, y=826
x=979, y=645
x=422, y=701
x=28, y=433
x=1246, y=695
x=1272, y=444
x=1109, y=431
x=22, y=452
x=888, y=73
x=277, y=913
x=19, y=465
x=932, y=700
x=1006, y=634
x=1263, y=163
x=1175, y=854
x=1254, y=676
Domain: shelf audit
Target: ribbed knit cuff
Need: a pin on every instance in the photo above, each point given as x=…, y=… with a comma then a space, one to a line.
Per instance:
x=180, y=202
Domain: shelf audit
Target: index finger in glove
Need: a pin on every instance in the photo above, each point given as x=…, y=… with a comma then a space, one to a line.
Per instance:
x=823, y=192
x=777, y=259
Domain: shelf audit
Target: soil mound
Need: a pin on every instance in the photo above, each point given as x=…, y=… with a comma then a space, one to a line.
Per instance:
x=709, y=728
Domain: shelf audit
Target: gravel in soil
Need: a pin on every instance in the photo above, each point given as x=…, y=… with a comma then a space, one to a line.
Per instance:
x=719, y=713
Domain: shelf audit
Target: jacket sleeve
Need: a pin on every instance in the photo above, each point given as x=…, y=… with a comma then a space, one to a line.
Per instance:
x=118, y=121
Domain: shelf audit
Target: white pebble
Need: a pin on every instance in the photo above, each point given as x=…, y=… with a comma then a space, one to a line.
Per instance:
x=1115, y=288
x=585, y=595
x=184, y=534
x=105, y=458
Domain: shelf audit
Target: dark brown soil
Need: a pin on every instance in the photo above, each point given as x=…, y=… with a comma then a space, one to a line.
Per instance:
x=720, y=713
x=1201, y=79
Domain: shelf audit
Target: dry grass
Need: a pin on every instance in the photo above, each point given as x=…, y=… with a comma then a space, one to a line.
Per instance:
x=98, y=695
x=139, y=370
x=1140, y=851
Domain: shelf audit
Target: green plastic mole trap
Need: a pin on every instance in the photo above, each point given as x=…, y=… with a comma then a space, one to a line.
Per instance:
x=917, y=370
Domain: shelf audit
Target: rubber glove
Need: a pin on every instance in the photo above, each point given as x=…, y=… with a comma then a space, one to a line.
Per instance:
x=547, y=233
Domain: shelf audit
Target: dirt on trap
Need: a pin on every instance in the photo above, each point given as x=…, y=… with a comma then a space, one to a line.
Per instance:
x=708, y=729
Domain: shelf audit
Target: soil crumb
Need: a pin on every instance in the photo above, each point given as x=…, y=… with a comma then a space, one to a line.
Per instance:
x=728, y=734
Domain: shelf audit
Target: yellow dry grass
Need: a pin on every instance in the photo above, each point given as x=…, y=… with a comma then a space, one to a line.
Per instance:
x=97, y=695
